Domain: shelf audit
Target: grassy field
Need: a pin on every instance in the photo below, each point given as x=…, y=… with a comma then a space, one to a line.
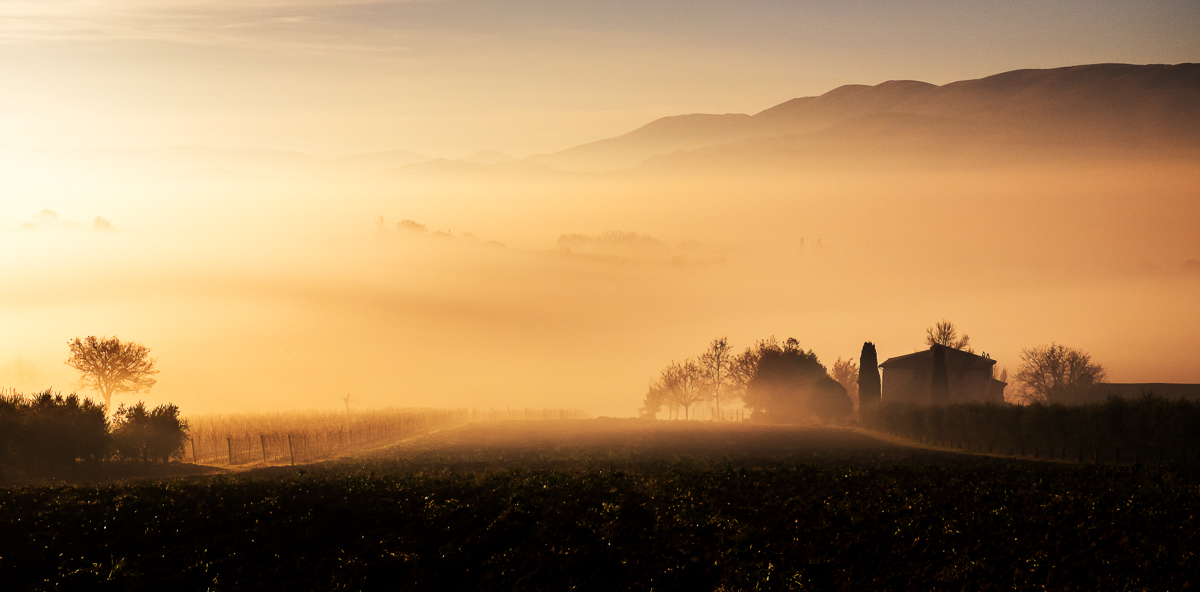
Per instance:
x=619, y=505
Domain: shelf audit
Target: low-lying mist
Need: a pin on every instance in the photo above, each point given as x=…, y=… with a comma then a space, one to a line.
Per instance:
x=514, y=285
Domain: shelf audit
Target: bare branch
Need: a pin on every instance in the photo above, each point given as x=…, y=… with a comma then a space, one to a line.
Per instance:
x=110, y=366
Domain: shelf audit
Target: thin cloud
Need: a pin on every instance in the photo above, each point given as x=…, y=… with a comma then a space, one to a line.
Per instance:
x=297, y=25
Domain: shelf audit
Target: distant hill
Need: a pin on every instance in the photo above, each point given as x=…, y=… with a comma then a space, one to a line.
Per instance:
x=1141, y=108
x=489, y=157
x=373, y=162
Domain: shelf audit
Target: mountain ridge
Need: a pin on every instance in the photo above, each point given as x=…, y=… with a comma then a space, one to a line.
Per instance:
x=1121, y=106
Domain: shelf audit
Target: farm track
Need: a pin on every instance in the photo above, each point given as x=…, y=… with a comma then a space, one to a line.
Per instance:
x=909, y=443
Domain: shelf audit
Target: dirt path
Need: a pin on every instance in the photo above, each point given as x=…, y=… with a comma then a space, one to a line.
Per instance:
x=907, y=443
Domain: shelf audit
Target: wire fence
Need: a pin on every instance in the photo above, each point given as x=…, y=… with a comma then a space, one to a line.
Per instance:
x=283, y=439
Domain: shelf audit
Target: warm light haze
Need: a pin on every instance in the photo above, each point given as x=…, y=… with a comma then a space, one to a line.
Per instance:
x=476, y=203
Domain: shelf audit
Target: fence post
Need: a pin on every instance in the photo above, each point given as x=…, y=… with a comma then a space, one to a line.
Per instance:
x=290, y=452
x=192, y=441
x=229, y=443
x=262, y=441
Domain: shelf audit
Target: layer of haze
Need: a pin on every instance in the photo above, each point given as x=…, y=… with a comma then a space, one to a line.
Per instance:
x=263, y=292
x=260, y=279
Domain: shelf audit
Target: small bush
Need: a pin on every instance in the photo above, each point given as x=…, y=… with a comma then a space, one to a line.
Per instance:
x=157, y=434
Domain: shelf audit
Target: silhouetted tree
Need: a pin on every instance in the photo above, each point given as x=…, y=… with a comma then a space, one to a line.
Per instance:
x=745, y=364
x=790, y=385
x=939, y=383
x=653, y=401
x=1054, y=373
x=717, y=365
x=869, y=385
x=684, y=384
x=110, y=366
x=945, y=333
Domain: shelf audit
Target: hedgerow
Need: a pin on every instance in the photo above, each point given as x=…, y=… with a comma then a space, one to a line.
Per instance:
x=45, y=433
x=1144, y=429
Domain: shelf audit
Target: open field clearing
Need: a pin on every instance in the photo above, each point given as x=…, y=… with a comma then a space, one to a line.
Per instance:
x=619, y=505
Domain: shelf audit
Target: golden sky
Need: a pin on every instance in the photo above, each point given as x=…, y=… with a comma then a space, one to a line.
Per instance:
x=448, y=78
x=261, y=282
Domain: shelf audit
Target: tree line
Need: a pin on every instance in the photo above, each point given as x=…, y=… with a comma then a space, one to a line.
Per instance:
x=48, y=432
x=779, y=382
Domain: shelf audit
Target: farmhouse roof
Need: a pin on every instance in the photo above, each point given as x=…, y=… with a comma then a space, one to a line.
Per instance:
x=954, y=357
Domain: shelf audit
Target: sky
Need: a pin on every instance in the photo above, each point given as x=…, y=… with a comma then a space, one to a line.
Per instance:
x=266, y=281
x=447, y=78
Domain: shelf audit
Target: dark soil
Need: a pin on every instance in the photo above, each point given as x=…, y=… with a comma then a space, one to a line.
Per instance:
x=619, y=505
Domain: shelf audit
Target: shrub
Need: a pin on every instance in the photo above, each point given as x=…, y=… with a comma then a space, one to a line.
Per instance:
x=157, y=434
x=54, y=431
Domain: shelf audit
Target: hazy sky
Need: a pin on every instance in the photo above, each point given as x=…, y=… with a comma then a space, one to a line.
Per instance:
x=450, y=77
x=261, y=282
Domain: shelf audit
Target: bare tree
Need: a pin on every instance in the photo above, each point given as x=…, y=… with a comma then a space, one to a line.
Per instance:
x=1054, y=373
x=745, y=365
x=108, y=366
x=945, y=333
x=717, y=365
x=684, y=384
x=846, y=373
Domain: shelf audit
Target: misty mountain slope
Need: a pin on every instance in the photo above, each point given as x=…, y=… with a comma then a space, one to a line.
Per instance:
x=661, y=136
x=840, y=104
x=373, y=162
x=489, y=157
x=1109, y=106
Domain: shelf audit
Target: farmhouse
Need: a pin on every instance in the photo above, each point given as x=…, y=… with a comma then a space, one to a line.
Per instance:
x=908, y=378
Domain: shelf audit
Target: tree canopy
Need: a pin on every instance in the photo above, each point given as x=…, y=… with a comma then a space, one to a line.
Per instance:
x=716, y=363
x=1055, y=374
x=791, y=385
x=945, y=333
x=110, y=366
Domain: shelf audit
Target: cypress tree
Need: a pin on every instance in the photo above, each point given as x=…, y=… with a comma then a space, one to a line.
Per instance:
x=939, y=383
x=869, y=386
